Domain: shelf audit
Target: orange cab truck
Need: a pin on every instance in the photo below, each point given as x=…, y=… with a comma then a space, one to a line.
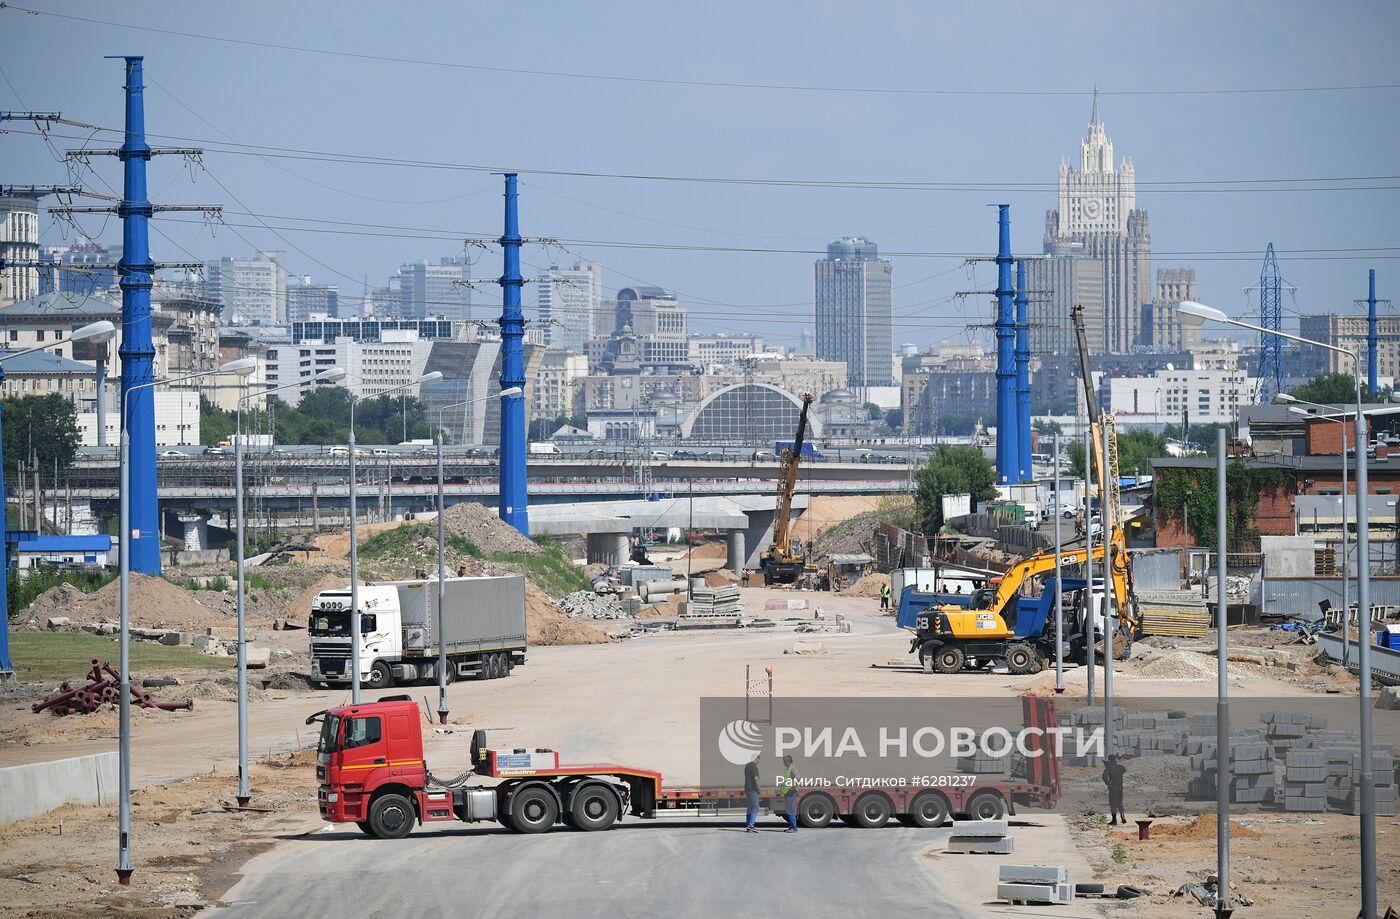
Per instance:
x=372, y=773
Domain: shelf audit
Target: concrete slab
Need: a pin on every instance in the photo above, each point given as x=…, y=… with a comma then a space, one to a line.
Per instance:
x=37, y=788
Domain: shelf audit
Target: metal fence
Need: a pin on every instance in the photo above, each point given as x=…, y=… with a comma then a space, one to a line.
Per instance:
x=1301, y=596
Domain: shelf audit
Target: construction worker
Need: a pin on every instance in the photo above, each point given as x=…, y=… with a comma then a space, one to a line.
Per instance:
x=751, y=795
x=1113, y=772
x=787, y=785
x=885, y=593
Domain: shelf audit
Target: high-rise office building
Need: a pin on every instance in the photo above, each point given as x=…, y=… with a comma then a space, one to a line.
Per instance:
x=249, y=291
x=1098, y=211
x=19, y=241
x=853, y=311
x=569, y=302
x=427, y=290
x=305, y=299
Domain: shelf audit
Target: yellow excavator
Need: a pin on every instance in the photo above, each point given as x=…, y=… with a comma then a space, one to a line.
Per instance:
x=999, y=624
x=780, y=564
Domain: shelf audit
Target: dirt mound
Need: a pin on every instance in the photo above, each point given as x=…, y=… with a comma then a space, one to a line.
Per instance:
x=155, y=603
x=1202, y=826
x=826, y=511
x=721, y=578
x=546, y=624
x=868, y=586
x=480, y=525
x=1179, y=665
x=223, y=689
x=56, y=601
x=337, y=545
x=709, y=550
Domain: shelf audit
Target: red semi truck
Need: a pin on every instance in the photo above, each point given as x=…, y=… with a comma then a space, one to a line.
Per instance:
x=372, y=773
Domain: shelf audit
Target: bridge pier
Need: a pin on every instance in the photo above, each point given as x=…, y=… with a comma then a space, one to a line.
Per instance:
x=607, y=548
x=195, y=532
x=735, y=558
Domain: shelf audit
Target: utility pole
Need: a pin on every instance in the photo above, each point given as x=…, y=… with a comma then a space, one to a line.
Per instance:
x=137, y=351
x=1008, y=450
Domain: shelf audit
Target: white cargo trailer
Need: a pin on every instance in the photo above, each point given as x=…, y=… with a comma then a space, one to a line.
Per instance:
x=483, y=625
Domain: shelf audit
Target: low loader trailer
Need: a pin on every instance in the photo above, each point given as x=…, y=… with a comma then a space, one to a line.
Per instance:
x=372, y=772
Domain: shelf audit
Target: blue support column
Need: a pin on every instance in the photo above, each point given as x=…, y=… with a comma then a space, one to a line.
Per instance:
x=514, y=506
x=1371, y=335
x=137, y=352
x=1008, y=449
x=7, y=670
x=1023, y=376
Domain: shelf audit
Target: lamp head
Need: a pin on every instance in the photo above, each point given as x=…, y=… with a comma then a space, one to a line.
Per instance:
x=242, y=367
x=1283, y=398
x=331, y=375
x=433, y=377
x=1200, y=311
x=512, y=392
x=95, y=332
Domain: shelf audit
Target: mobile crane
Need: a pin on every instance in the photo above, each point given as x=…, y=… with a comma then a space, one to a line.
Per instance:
x=780, y=564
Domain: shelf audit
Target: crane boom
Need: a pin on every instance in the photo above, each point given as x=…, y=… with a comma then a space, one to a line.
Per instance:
x=781, y=563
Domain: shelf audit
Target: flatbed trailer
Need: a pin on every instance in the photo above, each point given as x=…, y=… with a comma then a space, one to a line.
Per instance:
x=372, y=773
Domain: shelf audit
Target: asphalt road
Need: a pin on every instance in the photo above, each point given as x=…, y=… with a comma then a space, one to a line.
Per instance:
x=638, y=868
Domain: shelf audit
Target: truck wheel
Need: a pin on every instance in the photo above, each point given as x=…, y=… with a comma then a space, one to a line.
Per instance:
x=815, y=811
x=451, y=672
x=986, y=805
x=1021, y=659
x=948, y=659
x=533, y=810
x=391, y=817
x=930, y=809
x=594, y=808
x=380, y=676
x=872, y=811
x=498, y=669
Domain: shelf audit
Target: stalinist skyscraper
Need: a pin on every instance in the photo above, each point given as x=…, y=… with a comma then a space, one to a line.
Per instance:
x=1097, y=221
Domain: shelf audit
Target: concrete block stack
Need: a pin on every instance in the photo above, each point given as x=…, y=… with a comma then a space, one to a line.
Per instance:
x=983, y=837
x=715, y=601
x=1304, y=776
x=1342, y=787
x=1034, y=884
x=1286, y=730
x=1251, y=771
x=1089, y=719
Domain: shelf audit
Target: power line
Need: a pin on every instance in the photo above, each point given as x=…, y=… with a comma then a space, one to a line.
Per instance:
x=711, y=84
x=1286, y=184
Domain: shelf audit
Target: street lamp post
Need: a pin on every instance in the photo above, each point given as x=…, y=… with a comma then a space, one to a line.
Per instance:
x=1296, y=409
x=507, y=393
x=1059, y=582
x=97, y=332
x=1363, y=598
x=242, y=367
x=329, y=375
x=354, y=535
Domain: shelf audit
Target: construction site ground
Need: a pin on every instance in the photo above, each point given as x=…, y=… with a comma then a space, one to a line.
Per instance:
x=633, y=701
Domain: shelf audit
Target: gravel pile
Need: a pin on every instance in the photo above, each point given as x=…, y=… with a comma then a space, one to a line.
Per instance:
x=484, y=529
x=585, y=604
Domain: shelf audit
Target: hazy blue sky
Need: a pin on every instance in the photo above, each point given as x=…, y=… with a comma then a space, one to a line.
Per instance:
x=288, y=99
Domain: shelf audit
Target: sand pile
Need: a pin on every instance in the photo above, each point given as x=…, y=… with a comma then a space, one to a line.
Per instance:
x=868, y=586
x=299, y=607
x=155, y=603
x=1179, y=665
x=337, y=545
x=546, y=624
x=56, y=601
x=723, y=577
x=484, y=529
x=825, y=511
x=709, y=550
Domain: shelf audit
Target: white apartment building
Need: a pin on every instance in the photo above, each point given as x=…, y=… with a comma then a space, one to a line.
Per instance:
x=177, y=421
x=371, y=367
x=552, y=395
x=569, y=302
x=250, y=291
x=1206, y=396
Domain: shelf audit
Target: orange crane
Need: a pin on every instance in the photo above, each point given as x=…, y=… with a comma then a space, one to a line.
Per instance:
x=780, y=564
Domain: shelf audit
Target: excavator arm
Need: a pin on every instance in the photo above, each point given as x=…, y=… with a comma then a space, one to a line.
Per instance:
x=1043, y=562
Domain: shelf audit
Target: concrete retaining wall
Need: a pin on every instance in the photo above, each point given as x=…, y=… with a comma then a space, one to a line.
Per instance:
x=37, y=788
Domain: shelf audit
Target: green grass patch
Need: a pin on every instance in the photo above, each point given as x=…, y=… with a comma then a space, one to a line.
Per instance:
x=39, y=578
x=40, y=656
x=399, y=543
x=254, y=580
x=552, y=570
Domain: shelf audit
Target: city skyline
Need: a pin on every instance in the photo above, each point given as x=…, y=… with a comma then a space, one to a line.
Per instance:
x=768, y=289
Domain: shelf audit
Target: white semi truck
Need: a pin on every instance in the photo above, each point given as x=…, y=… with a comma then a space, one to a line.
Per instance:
x=483, y=625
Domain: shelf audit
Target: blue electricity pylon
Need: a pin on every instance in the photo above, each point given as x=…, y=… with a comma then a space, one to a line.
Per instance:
x=1270, y=317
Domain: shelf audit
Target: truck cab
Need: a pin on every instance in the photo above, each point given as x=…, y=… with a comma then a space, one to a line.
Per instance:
x=369, y=763
x=381, y=631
